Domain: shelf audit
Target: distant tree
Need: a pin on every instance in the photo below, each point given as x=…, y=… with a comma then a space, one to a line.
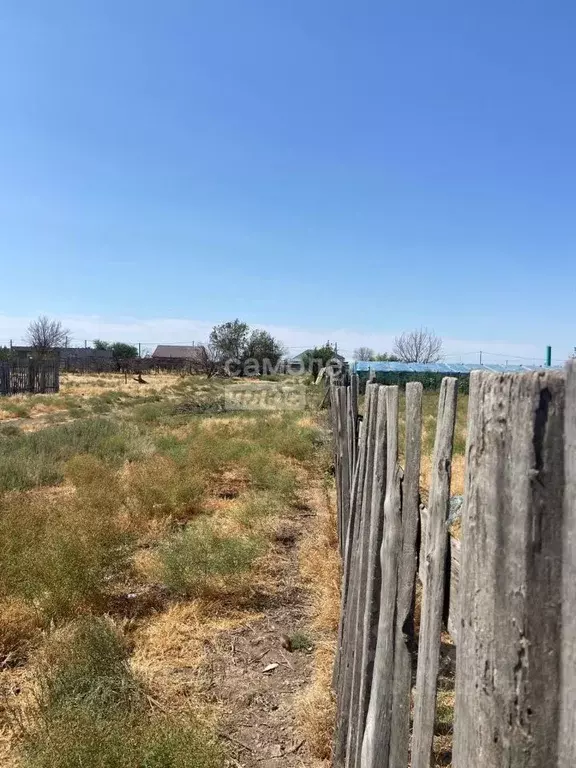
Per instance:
x=44, y=334
x=319, y=357
x=228, y=341
x=364, y=353
x=208, y=361
x=386, y=357
x=262, y=351
x=123, y=351
x=5, y=353
x=101, y=345
x=418, y=346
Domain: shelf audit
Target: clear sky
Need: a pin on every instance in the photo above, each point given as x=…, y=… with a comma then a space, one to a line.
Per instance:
x=328, y=169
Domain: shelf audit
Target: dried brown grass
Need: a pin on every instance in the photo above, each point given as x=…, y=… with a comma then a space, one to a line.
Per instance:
x=170, y=651
x=316, y=706
x=320, y=570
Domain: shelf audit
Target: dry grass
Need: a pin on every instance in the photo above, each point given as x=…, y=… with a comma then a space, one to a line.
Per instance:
x=171, y=649
x=320, y=570
x=94, y=384
x=316, y=706
x=132, y=491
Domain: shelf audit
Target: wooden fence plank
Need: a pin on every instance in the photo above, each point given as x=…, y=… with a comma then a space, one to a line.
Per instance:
x=434, y=579
x=404, y=642
x=361, y=573
x=567, y=740
x=354, y=598
x=366, y=641
x=353, y=421
x=351, y=537
x=376, y=739
x=508, y=653
x=344, y=422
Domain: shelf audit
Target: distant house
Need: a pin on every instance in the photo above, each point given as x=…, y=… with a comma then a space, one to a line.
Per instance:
x=64, y=353
x=84, y=353
x=190, y=353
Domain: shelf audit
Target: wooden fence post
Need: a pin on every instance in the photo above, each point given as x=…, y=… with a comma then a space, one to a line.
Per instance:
x=366, y=640
x=351, y=539
x=345, y=463
x=567, y=740
x=353, y=420
x=360, y=573
x=376, y=737
x=354, y=582
x=508, y=652
x=404, y=641
x=435, y=574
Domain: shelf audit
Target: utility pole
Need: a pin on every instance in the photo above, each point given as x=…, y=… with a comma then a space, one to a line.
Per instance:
x=139, y=349
x=480, y=357
x=548, y=356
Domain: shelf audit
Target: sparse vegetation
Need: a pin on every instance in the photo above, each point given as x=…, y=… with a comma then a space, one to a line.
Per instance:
x=92, y=711
x=200, y=560
x=141, y=498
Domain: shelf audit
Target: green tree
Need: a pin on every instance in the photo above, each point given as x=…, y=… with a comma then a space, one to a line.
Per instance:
x=120, y=350
x=228, y=341
x=123, y=351
x=5, y=353
x=319, y=357
x=263, y=352
x=385, y=357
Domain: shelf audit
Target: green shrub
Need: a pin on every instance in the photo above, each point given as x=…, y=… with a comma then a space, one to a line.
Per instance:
x=89, y=668
x=92, y=711
x=196, y=559
x=58, y=553
x=38, y=458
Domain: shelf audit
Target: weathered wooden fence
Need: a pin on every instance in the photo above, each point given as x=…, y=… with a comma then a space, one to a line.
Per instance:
x=510, y=582
x=32, y=376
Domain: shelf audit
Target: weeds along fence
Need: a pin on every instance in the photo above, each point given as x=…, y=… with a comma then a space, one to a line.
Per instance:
x=514, y=612
x=29, y=376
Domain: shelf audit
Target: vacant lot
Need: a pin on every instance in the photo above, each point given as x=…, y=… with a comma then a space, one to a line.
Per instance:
x=168, y=579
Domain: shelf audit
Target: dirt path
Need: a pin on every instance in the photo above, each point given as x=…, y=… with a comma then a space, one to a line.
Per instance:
x=257, y=677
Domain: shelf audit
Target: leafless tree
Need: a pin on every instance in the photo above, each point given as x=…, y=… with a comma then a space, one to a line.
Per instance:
x=208, y=361
x=419, y=346
x=363, y=353
x=44, y=334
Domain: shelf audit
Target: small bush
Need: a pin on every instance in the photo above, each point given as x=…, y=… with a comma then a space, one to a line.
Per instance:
x=38, y=458
x=300, y=642
x=199, y=559
x=92, y=711
x=58, y=553
x=88, y=668
x=160, y=487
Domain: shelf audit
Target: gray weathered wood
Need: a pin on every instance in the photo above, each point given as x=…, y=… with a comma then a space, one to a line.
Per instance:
x=354, y=581
x=508, y=653
x=404, y=641
x=376, y=738
x=434, y=579
x=353, y=420
x=366, y=641
x=567, y=734
x=351, y=539
x=334, y=418
x=361, y=573
x=453, y=598
x=346, y=468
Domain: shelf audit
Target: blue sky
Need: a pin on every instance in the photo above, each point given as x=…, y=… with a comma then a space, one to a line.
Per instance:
x=325, y=169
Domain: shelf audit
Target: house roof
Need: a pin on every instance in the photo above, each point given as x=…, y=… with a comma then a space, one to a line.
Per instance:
x=186, y=352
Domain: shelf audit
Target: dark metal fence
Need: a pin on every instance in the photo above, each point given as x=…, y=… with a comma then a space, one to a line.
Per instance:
x=29, y=376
